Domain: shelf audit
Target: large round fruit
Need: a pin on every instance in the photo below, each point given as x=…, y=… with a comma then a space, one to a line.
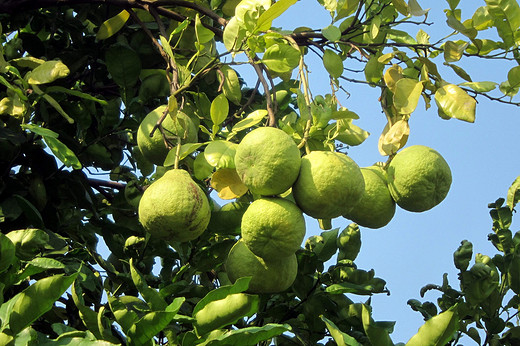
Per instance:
x=153, y=148
x=376, y=207
x=418, y=178
x=329, y=182
x=268, y=275
x=273, y=227
x=267, y=161
x=174, y=207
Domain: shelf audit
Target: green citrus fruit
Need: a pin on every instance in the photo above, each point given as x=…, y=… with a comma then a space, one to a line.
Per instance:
x=267, y=161
x=376, y=207
x=329, y=182
x=268, y=275
x=174, y=207
x=273, y=227
x=418, y=178
x=153, y=148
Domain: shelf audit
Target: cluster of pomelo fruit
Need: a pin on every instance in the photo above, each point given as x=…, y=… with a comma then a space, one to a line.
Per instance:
x=322, y=184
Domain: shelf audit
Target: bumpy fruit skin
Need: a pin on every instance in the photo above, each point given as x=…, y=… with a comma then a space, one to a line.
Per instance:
x=174, y=207
x=418, y=178
x=273, y=227
x=376, y=208
x=267, y=161
x=223, y=312
x=153, y=148
x=329, y=182
x=268, y=275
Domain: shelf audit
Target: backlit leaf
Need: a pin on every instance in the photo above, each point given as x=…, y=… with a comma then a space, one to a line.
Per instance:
x=437, y=331
x=393, y=137
x=333, y=63
x=202, y=33
x=376, y=334
x=265, y=20
x=455, y=103
x=506, y=14
x=401, y=6
x=407, y=94
x=219, y=109
x=63, y=153
x=221, y=154
x=251, y=120
x=341, y=339
x=281, y=58
x=112, y=25
x=247, y=335
x=416, y=9
x=228, y=184
x=453, y=50
x=234, y=35
x=513, y=194
x=482, y=87
x=230, y=84
x=392, y=76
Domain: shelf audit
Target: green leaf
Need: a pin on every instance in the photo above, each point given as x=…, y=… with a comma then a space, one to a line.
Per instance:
x=376, y=334
x=112, y=25
x=506, y=15
x=407, y=94
x=125, y=316
x=88, y=316
x=462, y=256
x=202, y=169
x=341, y=339
x=331, y=33
x=482, y=87
x=234, y=35
x=399, y=36
x=265, y=20
x=63, y=153
x=37, y=129
x=39, y=265
x=230, y=84
x=219, y=109
x=460, y=72
x=47, y=72
x=324, y=245
x=7, y=253
x=281, y=58
x=152, y=297
x=438, y=330
x=152, y=323
x=203, y=34
x=221, y=154
x=513, y=194
x=241, y=285
x=333, y=63
x=251, y=120
x=375, y=23
x=416, y=9
x=482, y=19
x=247, y=336
x=27, y=306
x=453, y=50
x=401, y=6
x=124, y=65
x=30, y=211
x=76, y=93
x=453, y=4
x=455, y=103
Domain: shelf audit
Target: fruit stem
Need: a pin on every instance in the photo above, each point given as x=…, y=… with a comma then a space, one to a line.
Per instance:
x=177, y=153
x=325, y=224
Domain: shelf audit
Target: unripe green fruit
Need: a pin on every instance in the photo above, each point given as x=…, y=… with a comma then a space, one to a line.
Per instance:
x=174, y=207
x=153, y=148
x=223, y=312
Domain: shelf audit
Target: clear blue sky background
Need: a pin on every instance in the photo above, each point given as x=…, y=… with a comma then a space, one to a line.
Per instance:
x=415, y=249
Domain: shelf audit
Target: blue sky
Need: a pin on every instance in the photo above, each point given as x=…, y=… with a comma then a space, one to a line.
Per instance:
x=415, y=249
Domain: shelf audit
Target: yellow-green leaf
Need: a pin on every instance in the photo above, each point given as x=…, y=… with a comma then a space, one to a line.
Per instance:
x=392, y=76
x=230, y=84
x=454, y=102
x=63, y=153
x=221, y=154
x=438, y=330
x=112, y=25
x=47, y=72
x=202, y=33
x=453, y=50
x=219, y=109
x=228, y=184
x=407, y=94
x=281, y=58
x=252, y=119
x=273, y=12
x=393, y=137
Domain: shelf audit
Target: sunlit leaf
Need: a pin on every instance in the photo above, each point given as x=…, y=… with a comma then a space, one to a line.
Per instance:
x=513, y=194
x=7, y=250
x=401, y=6
x=281, y=58
x=228, y=184
x=455, y=103
x=374, y=70
x=221, y=154
x=219, y=109
x=251, y=120
x=482, y=87
x=407, y=94
x=234, y=35
x=506, y=14
x=112, y=25
x=202, y=169
x=202, y=33
x=265, y=20
x=48, y=72
x=230, y=84
x=393, y=137
x=453, y=50
x=247, y=335
x=63, y=153
x=392, y=76
x=374, y=26
x=376, y=334
x=36, y=300
x=438, y=330
x=482, y=19
x=341, y=339
x=416, y=9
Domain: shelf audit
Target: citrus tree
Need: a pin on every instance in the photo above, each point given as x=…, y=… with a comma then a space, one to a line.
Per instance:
x=127, y=123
